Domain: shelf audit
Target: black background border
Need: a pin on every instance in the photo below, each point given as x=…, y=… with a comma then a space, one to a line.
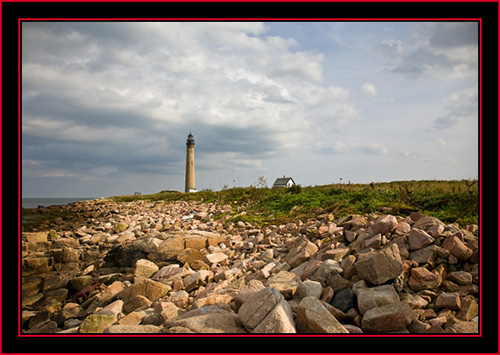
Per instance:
x=487, y=11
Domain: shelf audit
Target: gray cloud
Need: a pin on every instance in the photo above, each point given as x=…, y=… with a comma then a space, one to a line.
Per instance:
x=459, y=106
x=107, y=106
x=103, y=99
x=447, y=50
x=446, y=35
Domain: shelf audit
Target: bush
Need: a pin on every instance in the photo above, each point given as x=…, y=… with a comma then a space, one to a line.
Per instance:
x=295, y=189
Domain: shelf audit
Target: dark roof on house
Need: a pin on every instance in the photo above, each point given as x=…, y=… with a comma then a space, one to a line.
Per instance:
x=282, y=181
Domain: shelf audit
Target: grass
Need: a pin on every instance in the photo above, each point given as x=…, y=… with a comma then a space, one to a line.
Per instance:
x=450, y=201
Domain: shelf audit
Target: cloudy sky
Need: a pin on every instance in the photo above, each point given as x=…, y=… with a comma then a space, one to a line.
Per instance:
x=107, y=106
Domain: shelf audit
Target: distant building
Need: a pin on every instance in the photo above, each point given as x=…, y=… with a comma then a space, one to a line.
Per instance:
x=284, y=182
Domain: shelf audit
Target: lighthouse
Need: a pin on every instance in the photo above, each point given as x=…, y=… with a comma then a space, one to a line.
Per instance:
x=190, y=185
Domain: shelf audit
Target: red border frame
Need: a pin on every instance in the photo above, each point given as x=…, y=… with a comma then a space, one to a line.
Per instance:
x=20, y=20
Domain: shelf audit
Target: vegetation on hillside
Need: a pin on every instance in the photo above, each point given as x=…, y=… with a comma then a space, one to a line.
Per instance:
x=450, y=201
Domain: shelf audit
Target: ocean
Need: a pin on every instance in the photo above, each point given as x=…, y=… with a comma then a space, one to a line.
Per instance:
x=35, y=202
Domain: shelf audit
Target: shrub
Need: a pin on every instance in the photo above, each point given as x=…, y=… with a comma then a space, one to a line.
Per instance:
x=295, y=189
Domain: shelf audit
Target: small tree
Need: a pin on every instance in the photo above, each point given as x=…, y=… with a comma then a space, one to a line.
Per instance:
x=261, y=183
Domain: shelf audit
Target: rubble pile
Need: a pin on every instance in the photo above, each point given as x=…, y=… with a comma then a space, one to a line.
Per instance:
x=163, y=267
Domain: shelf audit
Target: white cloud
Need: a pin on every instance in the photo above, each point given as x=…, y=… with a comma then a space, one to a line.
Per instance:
x=370, y=89
x=441, y=142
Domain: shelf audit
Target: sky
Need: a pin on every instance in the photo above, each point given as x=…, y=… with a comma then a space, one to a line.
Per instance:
x=107, y=106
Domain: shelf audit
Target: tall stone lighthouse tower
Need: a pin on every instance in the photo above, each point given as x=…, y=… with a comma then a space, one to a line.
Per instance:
x=190, y=185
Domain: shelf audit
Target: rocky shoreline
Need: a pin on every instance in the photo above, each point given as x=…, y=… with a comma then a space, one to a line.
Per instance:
x=180, y=267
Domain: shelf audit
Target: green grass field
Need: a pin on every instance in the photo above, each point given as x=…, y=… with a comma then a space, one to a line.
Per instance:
x=450, y=201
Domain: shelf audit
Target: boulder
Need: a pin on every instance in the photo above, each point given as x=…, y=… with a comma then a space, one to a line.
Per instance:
x=169, y=272
x=215, y=258
x=113, y=309
x=48, y=326
x=469, y=309
x=145, y=268
x=247, y=292
x=285, y=282
x=309, y=288
x=179, y=298
x=388, y=318
x=194, y=241
x=344, y=300
x=426, y=222
x=449, y=300
x=383, y=225
x=336, y=254
x=267, y=312
x=216, y=318
x=37, y=265
x=70, y=310
x=419, y=239
x=77, y=283
x=326, y=269
x=197, y=279
x=190, y=256
x=423, y=279
x=456, y=247
x=313, y=317
x=462, y=278
x=463, y=327
x=133, y=318
x=380, y=266
x=35, y=240
x=169, y=248
x=370, y=297
x=425, y=255
x=301, y=252
x=97, y=323
x=147, y=288
x=131, y=329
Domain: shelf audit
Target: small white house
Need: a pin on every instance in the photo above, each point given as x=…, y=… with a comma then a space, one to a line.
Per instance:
x=284, y=182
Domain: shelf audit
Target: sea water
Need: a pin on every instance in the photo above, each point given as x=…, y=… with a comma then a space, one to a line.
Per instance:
x=45, y=202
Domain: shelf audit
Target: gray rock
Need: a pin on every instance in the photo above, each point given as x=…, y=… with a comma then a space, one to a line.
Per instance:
x=344, y=300
x=425, y=255
x=419, y=239
x=378, y=296
x=309, y=288
x=49, y=326
x=313, y=317
x=326, y=269
x=267, y=312
x=426, y=222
